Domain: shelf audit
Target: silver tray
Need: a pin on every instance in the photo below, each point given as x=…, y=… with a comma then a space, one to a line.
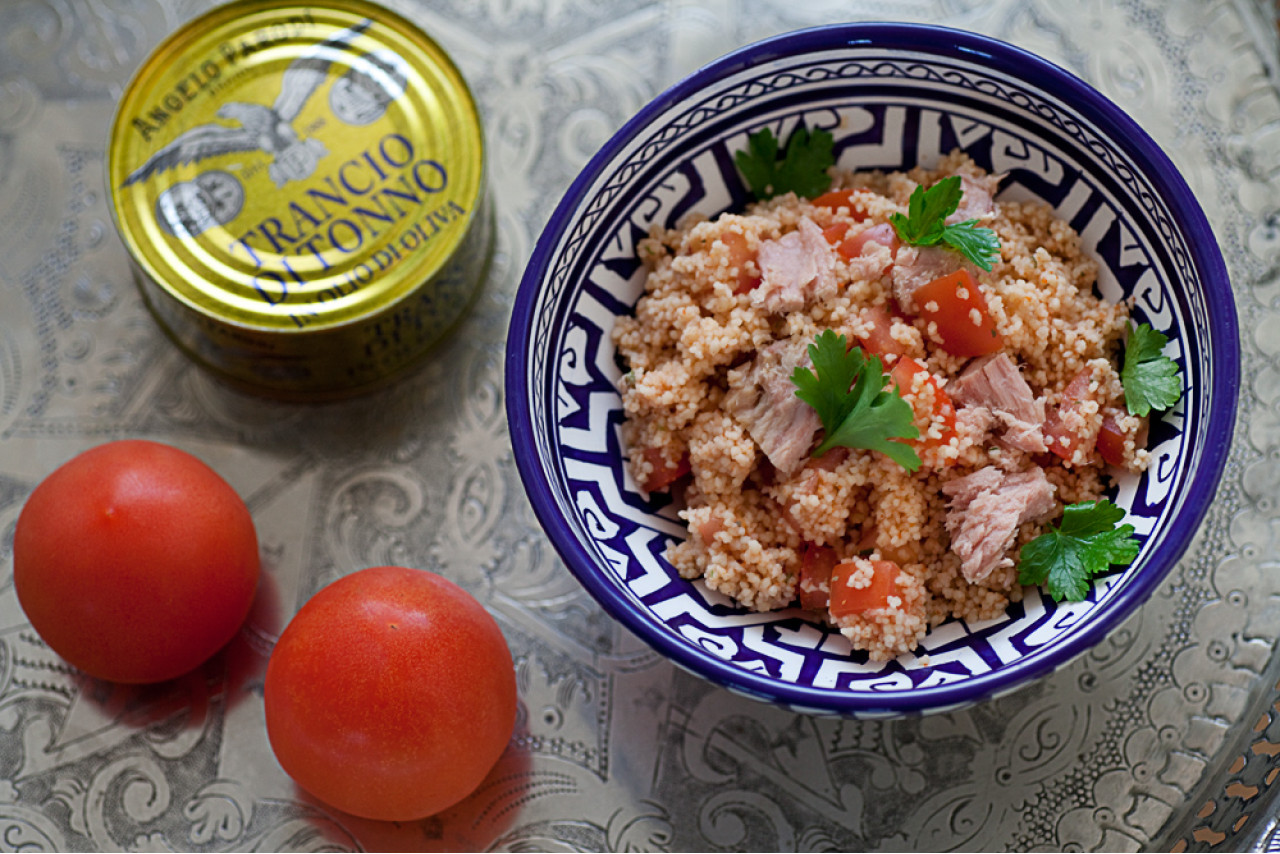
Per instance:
x=1165, y=737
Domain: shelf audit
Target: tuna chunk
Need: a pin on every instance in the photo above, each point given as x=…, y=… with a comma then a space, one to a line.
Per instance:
x=996, y=383
x=977, y=199
x=763, y=400
x=986, y=509
x=916, y=266
x=796, y=269
x=974, y=422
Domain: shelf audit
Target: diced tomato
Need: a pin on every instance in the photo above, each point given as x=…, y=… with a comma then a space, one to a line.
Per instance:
x=836, y=199
x=1061, y=439
x=835, y=233
x=941, y=411
x=815, y=576
x=853, y=247
x=847, y=601
x=1111, y=441
x=880, y=340
x=739, y=256
x=882, y=234
x=662, y=473
x=956, y=304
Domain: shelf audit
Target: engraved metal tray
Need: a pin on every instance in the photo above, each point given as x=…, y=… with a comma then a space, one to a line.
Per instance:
x=1164, y=737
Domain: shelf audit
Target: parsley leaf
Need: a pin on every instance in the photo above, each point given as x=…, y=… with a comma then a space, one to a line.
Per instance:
x=927, y=211
x=803, y=169
x=1151, y=380
x=848, y=392
x=925, y=224
x=980, y=245
x=1084, y=545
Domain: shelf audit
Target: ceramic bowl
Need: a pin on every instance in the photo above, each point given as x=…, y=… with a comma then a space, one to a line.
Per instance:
x=894, y=96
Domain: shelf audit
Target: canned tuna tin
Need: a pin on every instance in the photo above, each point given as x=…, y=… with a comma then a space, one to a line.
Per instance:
x=301, y=188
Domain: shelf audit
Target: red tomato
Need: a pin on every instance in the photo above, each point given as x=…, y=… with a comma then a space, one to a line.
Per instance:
x=836, y=199
x=880, y=338
x=663, y=474
x=815, y=576
x=835, y=233
x=956, y=304
x=135, y=561
x=391, y=694
x=740, y=255
x=846, y=600
x=852, y=247
x=1111, y=441
x=883, y=234
x=941, y=411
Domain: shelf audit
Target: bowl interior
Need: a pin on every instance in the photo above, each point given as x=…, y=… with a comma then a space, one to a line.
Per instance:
x=893, y=97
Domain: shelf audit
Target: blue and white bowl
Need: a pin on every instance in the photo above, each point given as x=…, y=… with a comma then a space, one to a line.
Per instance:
x=893, y=96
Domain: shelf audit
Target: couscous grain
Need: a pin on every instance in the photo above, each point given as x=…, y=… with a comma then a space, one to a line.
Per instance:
x=730, y=307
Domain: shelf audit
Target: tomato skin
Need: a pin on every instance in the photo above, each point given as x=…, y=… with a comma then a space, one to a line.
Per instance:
x=953, y=302
x=816, y=565
x=662, y=473
x=1111, y=442
x=943, y=411
x=880, y=340
x=391, y=694
x=135, y=561
x=740, y=255
x=882, y=234
x=836, y=199
x=847, y=601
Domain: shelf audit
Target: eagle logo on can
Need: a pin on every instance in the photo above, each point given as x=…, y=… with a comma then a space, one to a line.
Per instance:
x=269, y=129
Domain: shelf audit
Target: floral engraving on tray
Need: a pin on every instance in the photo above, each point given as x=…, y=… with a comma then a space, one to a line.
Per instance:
x=1162, y=737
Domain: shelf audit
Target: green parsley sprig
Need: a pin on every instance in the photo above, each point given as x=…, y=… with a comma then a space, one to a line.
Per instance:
x=802, y=170
x=1151, y=380
x=925, y=224
x=1084, y=545
x=848, y=392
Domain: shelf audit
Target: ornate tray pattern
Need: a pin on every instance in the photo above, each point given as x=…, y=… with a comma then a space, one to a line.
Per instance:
x=1165, y=736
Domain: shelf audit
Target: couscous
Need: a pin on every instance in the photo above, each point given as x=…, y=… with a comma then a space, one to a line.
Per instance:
x=1011, y=377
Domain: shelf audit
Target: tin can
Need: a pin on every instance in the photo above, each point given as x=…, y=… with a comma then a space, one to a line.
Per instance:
x=301, y=188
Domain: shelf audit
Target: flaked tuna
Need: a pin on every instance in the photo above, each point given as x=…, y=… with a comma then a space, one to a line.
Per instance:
x=977, y=200
x=994, y=382
x=985, y=511
x=763, y=400
x=796, y=270
x=917, y=266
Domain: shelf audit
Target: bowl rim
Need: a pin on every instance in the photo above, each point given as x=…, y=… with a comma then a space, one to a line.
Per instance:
x=1113, y=124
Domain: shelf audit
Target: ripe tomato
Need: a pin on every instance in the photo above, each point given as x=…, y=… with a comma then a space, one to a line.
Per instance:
x=932, y=406
x=662, y=473
x=135, y=561
x=391, y=694
x=956, y=304
x=813, y=588
x=846, y=600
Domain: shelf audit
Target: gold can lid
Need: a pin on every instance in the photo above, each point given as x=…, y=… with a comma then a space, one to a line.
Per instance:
x=292, y=167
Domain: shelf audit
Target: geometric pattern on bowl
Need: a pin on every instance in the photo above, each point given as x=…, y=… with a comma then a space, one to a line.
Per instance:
x=893, y=96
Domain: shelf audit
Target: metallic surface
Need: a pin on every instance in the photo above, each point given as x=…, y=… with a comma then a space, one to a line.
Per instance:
x=301, y=188
x=1166, y=736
